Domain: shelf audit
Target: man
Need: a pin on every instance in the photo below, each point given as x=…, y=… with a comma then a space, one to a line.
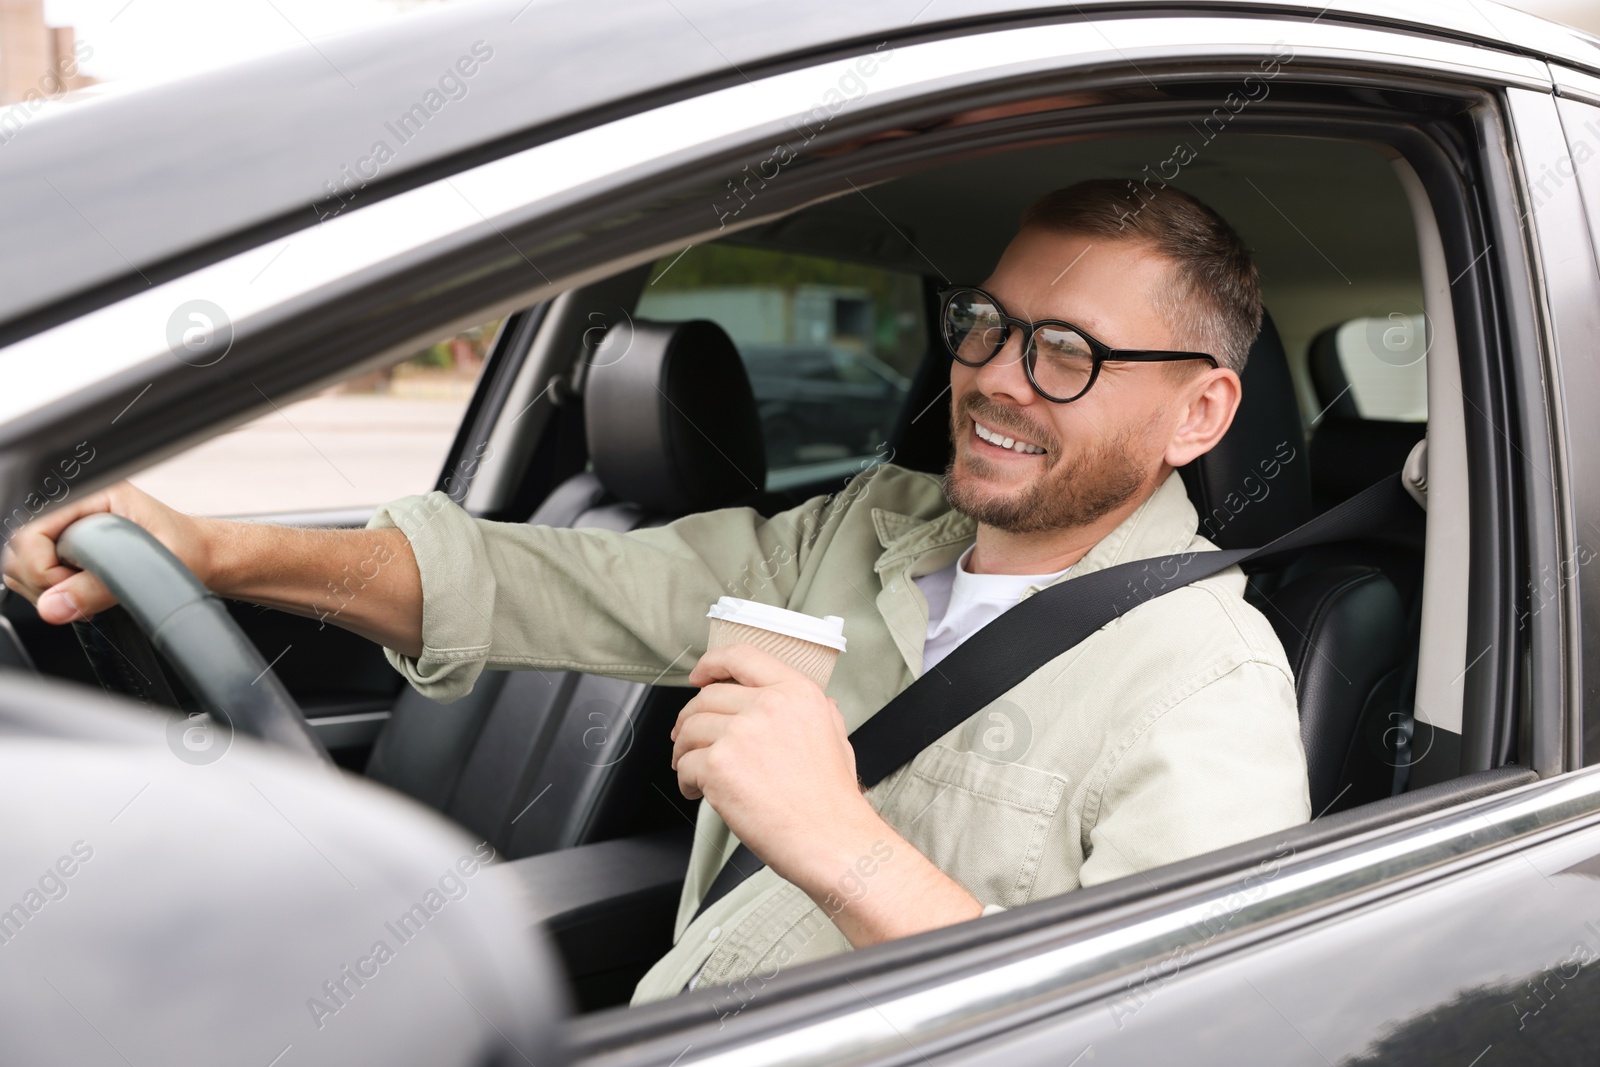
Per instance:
x=1168, y=733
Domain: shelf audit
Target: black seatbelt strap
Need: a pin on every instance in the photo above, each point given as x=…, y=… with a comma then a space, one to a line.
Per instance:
x=1001, y=655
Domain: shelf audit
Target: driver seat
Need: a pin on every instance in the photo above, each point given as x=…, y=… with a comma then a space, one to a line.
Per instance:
x=672, y=429
x=1337, y=611
x=1343, y=625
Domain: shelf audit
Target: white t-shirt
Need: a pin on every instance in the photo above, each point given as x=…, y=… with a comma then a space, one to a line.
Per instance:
x=961, y=603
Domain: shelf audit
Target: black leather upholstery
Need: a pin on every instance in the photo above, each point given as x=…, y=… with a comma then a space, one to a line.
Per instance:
x=672, y=423
x=1255, y=484
x=1347, y=455
x=672, y=428
x=1341, y=628
x=607, y=939
x=1341, y=621
x=1328, y=379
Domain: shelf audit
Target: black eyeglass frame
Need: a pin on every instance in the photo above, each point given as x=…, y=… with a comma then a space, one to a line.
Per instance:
x=1098, y=350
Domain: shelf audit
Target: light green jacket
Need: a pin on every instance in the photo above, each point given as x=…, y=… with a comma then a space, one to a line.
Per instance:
x=1168, y=733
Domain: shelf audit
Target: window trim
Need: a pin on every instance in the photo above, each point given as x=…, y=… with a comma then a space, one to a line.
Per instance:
x=1566, y=261
x=506, y=354
x=1532, y=281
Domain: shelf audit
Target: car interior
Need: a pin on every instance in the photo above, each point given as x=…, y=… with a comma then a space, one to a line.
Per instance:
x=828, y=313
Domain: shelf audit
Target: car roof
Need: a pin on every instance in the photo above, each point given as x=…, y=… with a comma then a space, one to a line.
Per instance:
x=125, y=189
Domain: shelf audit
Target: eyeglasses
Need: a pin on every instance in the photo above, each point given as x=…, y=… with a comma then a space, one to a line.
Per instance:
x=1061, y=359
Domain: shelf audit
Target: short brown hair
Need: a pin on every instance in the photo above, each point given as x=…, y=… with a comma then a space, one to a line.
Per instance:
x=1213, y=303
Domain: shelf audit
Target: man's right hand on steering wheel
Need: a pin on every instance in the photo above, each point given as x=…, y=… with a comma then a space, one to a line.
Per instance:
x=291, y=568
x=63, y=594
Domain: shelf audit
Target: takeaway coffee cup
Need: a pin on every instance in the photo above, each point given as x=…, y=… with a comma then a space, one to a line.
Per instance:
x=808, y=644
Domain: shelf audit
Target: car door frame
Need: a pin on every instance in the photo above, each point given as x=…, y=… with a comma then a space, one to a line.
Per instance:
x=1574, y=311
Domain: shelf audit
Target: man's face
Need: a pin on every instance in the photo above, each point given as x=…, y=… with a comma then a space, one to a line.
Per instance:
x=1101, y=450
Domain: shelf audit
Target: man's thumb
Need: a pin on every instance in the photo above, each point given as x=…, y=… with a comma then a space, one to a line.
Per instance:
x=75, y=599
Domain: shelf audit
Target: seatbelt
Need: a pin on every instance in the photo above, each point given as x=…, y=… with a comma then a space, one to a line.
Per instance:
x=1022, y=639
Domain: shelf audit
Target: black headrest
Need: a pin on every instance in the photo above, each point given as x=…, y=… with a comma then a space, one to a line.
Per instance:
x=1255, y=484
x=671, y=422
x=1328, y=379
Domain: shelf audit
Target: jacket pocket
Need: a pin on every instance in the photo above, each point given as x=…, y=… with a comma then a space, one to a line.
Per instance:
x=982, y=822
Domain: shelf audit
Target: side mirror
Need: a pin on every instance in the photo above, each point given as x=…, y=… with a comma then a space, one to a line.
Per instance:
x=165, y=902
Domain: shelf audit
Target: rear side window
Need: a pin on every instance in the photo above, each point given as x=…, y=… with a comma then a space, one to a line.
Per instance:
x=1384, y=366
x=830, y=345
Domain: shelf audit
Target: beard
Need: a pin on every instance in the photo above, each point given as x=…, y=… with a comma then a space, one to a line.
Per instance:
x=1069, y=492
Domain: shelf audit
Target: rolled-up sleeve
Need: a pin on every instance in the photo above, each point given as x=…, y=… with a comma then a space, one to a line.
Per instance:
x=507, y=596
x=458, y=592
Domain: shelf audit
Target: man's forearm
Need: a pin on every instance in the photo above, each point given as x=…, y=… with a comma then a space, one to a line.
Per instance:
x=365, y=581
x=876, y=887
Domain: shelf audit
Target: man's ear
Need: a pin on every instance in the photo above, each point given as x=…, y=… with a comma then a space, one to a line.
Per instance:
x=1213, y=398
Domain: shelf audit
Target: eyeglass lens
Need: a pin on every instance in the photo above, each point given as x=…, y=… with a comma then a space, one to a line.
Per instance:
x=1062, y=359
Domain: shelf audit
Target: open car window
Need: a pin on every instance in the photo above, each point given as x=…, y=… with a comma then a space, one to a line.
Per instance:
x=365, y=440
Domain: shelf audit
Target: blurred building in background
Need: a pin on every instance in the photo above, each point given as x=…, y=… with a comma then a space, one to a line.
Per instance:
x=34, y=57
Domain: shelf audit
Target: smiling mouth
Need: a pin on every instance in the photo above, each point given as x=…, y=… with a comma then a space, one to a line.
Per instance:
x=999, y=441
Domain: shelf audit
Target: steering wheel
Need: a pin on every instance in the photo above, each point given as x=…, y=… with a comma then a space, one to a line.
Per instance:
x=171, y=612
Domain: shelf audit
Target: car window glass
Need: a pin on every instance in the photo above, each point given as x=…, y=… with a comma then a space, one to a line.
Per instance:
x=361, y=442
x=830, y=345
x=1385, y=362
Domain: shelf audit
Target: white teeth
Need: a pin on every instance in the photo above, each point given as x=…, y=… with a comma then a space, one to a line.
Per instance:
x=1001, y=441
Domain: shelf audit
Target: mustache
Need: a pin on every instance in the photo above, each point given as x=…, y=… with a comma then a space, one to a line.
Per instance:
x=976, y=405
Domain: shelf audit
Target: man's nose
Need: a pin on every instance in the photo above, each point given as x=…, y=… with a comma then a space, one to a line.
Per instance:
x=1006, y=373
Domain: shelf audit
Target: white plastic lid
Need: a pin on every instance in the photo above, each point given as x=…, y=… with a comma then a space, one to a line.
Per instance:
x=827, y=631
